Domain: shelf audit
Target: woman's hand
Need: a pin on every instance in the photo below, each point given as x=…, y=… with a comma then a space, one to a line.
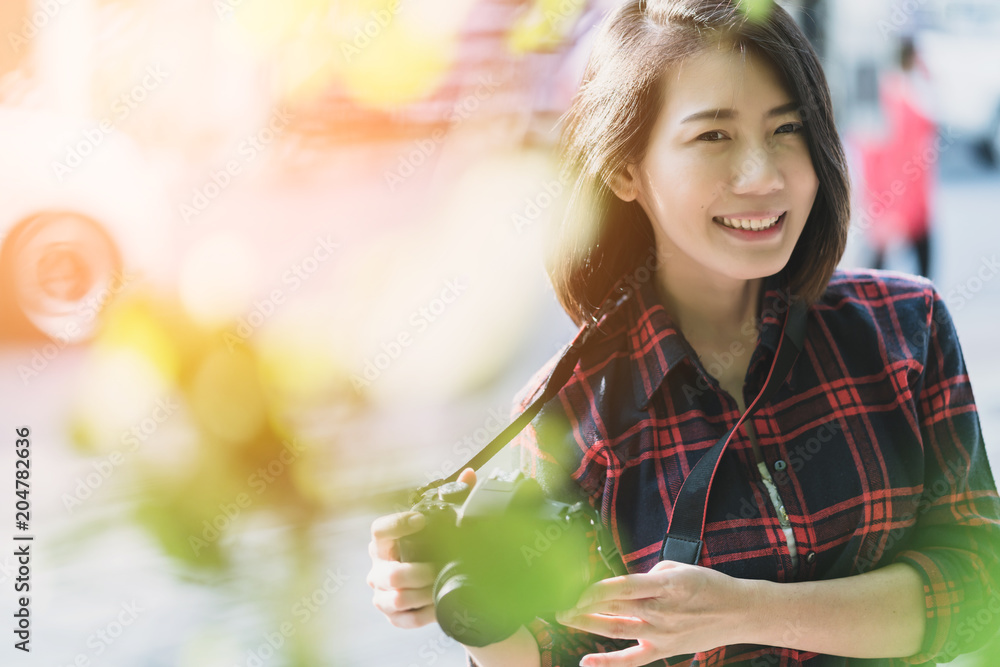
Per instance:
x=674, y=609
x=403, y=591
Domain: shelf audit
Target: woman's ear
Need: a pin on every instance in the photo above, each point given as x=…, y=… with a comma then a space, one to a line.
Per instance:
x=625, y=182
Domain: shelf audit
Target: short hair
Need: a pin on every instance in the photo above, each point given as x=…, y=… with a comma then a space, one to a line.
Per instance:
x=600, y=238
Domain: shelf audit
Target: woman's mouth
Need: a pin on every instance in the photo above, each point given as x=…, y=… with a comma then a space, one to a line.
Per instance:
x=755, y=225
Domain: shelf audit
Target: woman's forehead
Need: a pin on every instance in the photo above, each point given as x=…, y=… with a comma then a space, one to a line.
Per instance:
x=723, y=78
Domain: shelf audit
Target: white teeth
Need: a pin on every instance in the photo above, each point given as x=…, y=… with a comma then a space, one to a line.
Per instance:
x=754, y=225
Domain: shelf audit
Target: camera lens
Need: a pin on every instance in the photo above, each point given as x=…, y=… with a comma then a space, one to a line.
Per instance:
x=467, y=611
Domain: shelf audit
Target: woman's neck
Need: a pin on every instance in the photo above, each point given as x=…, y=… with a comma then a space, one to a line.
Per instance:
x=710, y=311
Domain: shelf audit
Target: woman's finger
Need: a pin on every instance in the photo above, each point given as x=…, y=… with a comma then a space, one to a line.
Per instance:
x=616, y=607
x=387, y=575
x=387, y=529
x=626, y=587
x=634, y=656
x=416, y=618
x=614, y=627
x=400, y=600
x=468, y=476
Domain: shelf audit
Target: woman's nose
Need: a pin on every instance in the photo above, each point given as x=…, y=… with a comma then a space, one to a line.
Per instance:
x=756, y=172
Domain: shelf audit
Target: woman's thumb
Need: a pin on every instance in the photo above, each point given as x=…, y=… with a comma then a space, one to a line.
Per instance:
x=468, y=476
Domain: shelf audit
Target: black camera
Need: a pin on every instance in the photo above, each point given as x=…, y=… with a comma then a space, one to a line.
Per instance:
x=506, y=553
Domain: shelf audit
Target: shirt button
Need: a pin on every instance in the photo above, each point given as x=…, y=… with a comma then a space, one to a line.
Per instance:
x=811, y=557
x=780, y=465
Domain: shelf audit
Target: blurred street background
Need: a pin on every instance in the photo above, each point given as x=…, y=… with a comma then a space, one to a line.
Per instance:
x=267, y=265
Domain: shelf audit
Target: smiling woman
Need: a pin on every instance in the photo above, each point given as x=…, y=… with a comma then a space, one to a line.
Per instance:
x=630, y=114
x=702, y=143
x=749, y=182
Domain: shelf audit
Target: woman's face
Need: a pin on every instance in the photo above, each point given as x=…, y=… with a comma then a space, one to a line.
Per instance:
x=727, y=156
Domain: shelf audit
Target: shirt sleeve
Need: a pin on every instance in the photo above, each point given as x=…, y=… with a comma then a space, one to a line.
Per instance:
x=955, y=545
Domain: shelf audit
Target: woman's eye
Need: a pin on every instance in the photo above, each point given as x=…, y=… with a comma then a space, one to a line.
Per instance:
x=713, y=136
x=789, y=128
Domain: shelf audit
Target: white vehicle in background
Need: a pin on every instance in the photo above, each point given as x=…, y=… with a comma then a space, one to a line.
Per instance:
x=959, y=42
x=81, y=220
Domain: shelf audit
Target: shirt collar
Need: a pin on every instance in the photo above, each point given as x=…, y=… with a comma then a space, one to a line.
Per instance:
x=657, y=346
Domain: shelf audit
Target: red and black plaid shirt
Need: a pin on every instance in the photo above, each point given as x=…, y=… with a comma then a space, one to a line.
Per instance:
x=873, y=442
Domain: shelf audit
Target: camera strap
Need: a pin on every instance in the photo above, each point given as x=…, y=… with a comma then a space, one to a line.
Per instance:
x=557, y=379
x=683, y=540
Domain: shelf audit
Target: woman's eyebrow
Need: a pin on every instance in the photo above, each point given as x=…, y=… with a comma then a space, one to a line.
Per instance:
x=714, y=114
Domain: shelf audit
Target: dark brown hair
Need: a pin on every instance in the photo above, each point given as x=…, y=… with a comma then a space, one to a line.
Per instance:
x=601, y=238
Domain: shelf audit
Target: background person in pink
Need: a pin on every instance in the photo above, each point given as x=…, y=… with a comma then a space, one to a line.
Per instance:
x=899, y=170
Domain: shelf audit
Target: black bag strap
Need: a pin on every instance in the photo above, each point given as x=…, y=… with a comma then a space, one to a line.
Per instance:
x=683, y=540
